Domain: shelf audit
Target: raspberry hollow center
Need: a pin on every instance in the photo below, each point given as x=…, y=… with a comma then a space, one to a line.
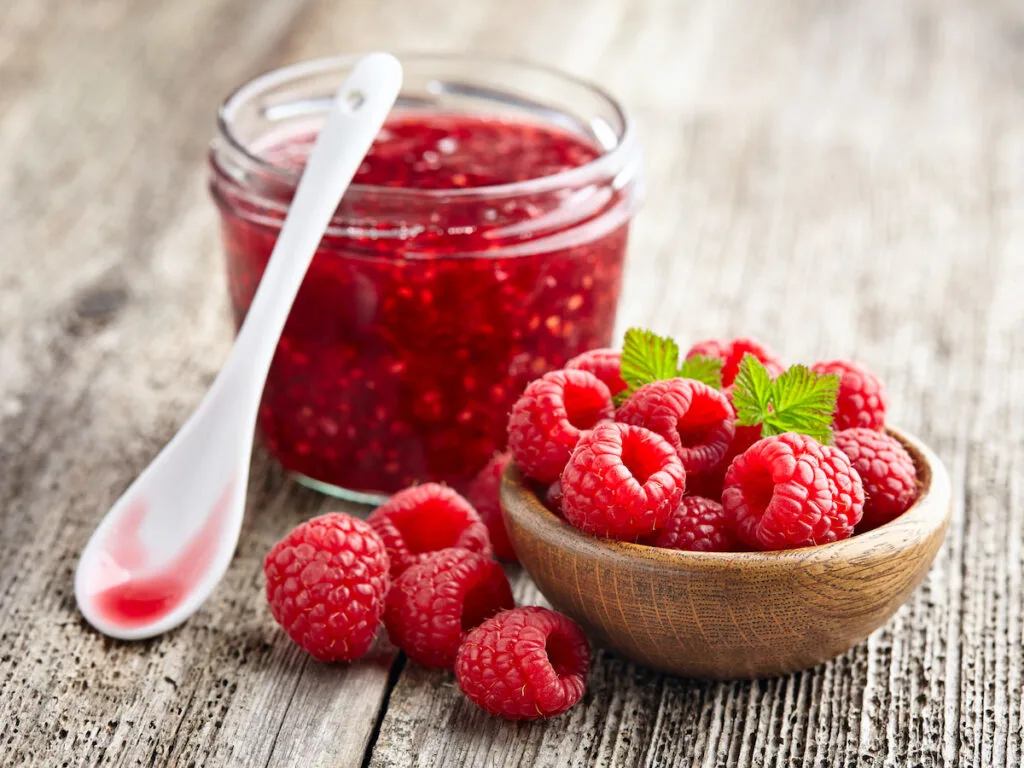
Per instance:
x=699, y=421
x=584, y=407
x=640, y=458
x=561, y=654
x=758, y=490
x=431, y=529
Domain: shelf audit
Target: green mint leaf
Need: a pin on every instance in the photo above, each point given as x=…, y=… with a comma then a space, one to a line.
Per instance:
x=752, y=392
x=804, y=401
x=799, y=400
x=707, y=370
x=648, y=357
x=621, y=397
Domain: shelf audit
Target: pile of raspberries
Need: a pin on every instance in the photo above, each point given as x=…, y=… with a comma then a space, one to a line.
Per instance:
x=668, y=468
x=422, y=564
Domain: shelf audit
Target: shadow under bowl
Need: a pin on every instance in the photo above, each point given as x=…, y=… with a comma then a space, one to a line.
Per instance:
x=731, y=615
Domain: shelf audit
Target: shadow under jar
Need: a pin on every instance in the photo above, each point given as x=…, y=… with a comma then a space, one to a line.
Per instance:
x=481, y=245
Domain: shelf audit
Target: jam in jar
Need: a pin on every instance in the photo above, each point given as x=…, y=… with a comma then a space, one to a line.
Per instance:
x=480, y=245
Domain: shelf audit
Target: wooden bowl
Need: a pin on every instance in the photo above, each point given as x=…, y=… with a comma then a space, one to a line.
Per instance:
x=731, y=615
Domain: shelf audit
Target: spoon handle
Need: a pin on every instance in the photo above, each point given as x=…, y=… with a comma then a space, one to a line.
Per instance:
x=360, y=107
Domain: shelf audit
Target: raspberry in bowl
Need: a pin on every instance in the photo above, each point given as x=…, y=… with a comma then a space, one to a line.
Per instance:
x=481, y=245
x=731, y=615
x=808, y=542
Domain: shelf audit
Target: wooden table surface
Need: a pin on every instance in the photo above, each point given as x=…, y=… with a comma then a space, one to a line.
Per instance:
x=839, y=177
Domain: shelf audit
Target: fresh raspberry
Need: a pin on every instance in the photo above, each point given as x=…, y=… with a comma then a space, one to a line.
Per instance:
x=710, y=483
x=696, y=420
x=697, y=525
x=553, y=497
x=484, y=495
x=886, y=469
x=862, y=399
x=326, y=584
x=606, y=364
x=524, y=664
x=791, y=491
x=731, y=354
x=548, y=418
x=622, y=481
x=434, y=603
x=425, y=518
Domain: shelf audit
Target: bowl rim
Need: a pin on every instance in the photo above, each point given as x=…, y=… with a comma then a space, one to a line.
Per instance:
x=929, y=512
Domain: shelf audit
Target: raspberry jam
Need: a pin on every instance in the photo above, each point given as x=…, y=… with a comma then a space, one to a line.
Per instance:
x=472, y=254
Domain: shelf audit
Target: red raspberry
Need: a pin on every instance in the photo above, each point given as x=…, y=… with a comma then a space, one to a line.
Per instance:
x=425, y=518
x=484, y=495
x=326, y=584
x=606, y=364
x=622, y=481
x=696, y=420
x=710, y=484
x=885, y=467
x=434, y=603
x=862, y=399
x=791, y=491
x=731, y=354
x=697, y=525
x=524, y=664
x=547, y=420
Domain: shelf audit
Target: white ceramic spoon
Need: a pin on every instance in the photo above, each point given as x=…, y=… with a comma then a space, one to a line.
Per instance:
x=164, y=545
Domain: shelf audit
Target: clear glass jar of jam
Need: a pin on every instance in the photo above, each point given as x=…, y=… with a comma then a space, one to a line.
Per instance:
x=481, y=244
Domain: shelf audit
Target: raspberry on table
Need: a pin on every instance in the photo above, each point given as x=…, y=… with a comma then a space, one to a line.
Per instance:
x=697, y=525
x=862, y=400
x=606, y=364
x=484, y=495
x=548, y=418
x=622, y=481
x=791, y=491
x=326, y=585
x=697, y=421
x=425, y=518
x=434, y=603
x=731, y=354
x=886, y=469
x=524, y=664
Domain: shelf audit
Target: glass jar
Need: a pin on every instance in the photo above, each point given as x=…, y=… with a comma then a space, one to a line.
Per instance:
x=480, y=246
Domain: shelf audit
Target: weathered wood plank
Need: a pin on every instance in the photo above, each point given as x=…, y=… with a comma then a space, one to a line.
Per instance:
x=839, y=178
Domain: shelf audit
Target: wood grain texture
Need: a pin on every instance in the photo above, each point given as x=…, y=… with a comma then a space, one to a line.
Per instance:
x=837, y=177
x=731, y=615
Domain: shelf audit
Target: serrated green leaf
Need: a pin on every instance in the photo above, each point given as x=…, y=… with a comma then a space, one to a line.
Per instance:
x=647, y=357
x=752, y=392
x=702, y=368
x=804, y=401
x=799, y=400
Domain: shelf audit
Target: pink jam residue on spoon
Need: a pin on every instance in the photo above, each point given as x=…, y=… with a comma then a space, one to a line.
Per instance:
x=131, y=595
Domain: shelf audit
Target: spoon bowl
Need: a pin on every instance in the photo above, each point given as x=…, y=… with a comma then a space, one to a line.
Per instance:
x=731, y=615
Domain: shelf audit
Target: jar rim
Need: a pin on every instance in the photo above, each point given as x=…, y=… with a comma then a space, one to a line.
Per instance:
x=608, y=163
